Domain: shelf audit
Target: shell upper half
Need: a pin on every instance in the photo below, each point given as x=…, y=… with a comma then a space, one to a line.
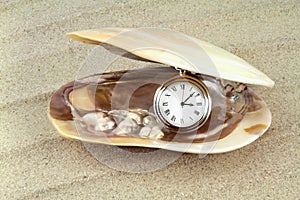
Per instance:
x=177, y=50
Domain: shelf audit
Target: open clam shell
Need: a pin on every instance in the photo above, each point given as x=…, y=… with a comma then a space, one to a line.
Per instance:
x=95, y=112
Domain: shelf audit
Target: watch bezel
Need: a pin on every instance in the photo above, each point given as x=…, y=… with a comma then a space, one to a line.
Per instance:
x=194, y=80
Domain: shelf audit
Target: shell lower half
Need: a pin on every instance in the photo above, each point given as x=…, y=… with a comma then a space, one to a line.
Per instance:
x=117, y=109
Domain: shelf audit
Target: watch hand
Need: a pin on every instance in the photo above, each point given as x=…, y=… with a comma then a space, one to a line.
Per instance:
x=182, y=98
x=187, y=104
x=188, y=97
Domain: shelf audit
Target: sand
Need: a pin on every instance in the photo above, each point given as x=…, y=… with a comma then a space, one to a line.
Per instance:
x=37, y=58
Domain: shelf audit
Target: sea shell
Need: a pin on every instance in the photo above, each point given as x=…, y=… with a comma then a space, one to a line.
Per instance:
x=238, y=115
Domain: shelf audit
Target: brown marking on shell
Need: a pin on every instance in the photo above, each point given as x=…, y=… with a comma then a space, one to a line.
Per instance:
x=135, y=89
x=102, y=94
x=58, y=106
x=256, y=129
x=253, y=94
x=255, y=106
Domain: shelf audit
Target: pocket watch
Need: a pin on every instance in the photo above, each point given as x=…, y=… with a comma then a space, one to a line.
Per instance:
x=182, y=103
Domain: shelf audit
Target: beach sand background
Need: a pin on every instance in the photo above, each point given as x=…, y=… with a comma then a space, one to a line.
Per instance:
x=37, y=58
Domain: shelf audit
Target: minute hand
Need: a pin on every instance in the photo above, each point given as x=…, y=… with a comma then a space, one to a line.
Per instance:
x=188, y=97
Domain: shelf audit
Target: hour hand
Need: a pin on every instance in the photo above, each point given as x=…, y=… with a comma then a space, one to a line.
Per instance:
x=186, y=104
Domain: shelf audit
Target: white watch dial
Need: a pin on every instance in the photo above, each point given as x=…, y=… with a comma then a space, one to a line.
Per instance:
x=182, y=104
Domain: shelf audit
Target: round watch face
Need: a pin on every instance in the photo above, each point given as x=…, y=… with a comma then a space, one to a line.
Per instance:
x=182, y=102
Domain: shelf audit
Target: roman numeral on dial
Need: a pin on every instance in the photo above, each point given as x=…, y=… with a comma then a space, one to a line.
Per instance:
x=199, y=103
x=182, y=86
x=167, y=112
x=196, y=112
x=165, y=104
x=181, y=121
x=174, y=88
x=173, y=118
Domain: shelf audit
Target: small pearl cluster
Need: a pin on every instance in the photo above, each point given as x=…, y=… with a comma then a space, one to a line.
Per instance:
x=135, y=122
